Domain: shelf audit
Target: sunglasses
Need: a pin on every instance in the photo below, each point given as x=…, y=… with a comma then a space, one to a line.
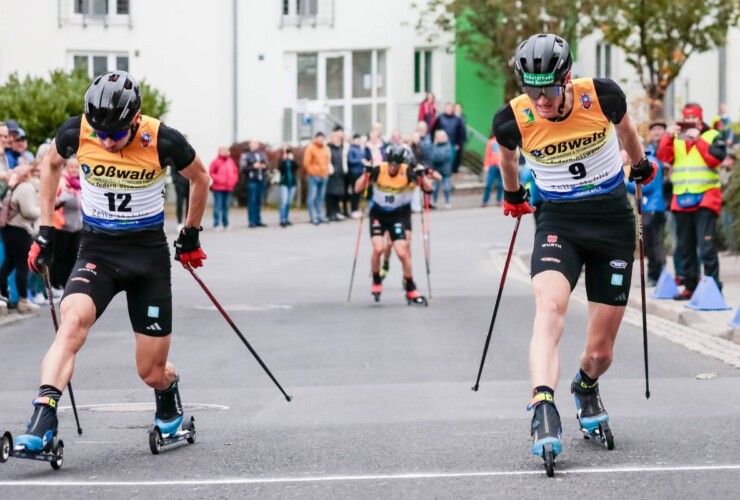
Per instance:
x=116, y=136
x=550, y=92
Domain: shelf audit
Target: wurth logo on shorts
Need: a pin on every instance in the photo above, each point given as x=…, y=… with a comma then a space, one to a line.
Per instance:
x=90, y=265
x=552, y=238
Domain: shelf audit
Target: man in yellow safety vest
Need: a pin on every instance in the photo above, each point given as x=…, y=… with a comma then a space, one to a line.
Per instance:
x=695, y=152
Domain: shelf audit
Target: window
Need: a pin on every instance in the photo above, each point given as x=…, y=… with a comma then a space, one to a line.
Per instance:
x=101, y=7
x=122, y=7
x=362, y=74
x=308, y=87
x=99, y=64
x=603, y=60
x=286, y=7
x=91, y=7
x=307, y=7
x=422, y=71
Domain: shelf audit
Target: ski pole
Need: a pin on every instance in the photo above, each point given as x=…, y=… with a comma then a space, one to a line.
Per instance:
x=498, y=300
x=231, y=323
x=425, y=242
x=359, y=236
x=638, y=195
x=47, y=283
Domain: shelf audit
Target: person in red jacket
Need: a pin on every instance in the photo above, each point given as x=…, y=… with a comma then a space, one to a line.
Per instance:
x=428, y=111
x=224, y=174
x=695, y=152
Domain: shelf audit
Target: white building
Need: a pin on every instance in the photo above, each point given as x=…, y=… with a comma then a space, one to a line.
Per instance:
x=291, y=66
x=277, y=70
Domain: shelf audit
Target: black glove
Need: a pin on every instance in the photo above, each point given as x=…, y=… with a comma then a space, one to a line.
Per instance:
x=42, y=248
x=643, y=172
x=187, y=247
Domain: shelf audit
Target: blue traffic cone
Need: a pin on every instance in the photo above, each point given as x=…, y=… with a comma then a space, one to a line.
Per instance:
x=707, y=296
x=735, y=323
x=666, y=287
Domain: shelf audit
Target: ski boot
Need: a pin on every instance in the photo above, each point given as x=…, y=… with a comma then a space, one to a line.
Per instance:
x=592, y=417
x=546, y=430
x=40, y=441
x=170, y=425
x=384, y=269
x=412, y=294
x=376, y=290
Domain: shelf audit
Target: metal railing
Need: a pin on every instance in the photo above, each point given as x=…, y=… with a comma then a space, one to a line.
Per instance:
x=312, y=13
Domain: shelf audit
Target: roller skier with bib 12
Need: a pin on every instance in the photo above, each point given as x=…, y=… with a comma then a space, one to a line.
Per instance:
x=123, y=157
x=569, y=131
x=393, y=184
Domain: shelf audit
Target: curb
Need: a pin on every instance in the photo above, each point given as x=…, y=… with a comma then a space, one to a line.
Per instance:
x=686, y=328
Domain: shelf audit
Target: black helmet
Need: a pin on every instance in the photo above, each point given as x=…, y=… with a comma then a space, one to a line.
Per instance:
x=542, y=60
x=396, y=153
x=111, y=101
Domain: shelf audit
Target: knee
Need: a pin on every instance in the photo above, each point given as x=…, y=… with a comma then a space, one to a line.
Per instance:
x=73, y=331
x=402, y=253
x=599, y=356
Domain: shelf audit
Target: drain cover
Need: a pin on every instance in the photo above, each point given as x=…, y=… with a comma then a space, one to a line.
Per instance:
x=141, y=407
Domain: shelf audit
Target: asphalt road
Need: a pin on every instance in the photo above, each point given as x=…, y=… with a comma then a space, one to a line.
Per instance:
x=382, y=402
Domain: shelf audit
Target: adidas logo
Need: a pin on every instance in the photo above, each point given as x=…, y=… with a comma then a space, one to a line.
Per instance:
x=154, y=327
x=620, y=298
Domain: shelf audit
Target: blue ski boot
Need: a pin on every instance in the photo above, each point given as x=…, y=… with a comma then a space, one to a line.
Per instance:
x=41, y=429
x=592, y=417
x=170, y=425
x=168, y=416
x=546, y=430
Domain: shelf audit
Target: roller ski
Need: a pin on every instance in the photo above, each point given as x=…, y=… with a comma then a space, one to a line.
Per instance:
x=40, y=442
x=546, y=430
x=170, y=425
x=592, y=417
x=413, y=297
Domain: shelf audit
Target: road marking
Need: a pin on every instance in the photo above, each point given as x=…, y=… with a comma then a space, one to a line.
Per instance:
x=140, y=407
x=376, y=477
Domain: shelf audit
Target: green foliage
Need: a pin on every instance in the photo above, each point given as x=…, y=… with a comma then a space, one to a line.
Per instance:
x=731, y=202
x=659, y=36
x=491, y=30
x=41, y=105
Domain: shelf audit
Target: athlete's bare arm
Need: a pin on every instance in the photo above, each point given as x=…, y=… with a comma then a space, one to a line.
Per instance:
x=629, y=139
x=197, y=174
x=509, y=168
x=51, y=173
x=360, y=183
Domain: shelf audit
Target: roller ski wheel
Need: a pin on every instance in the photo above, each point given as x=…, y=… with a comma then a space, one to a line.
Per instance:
x=57, y=451
x=602, y=434
x=155, y=441
x=549, y=457
x=376, y=290
x=6, y=447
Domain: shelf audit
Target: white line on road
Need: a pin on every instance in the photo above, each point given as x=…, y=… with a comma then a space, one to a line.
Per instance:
x=378, y=477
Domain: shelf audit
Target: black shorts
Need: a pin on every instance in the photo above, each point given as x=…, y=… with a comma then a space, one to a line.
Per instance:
x=391, y=222
x=138, y=264
x=600, y=234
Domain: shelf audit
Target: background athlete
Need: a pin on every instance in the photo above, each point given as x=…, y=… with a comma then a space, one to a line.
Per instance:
x=123, y=157
x=394, y=182
x=569, y=133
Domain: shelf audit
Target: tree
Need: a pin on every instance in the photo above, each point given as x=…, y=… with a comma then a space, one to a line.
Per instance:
x=659, y=36
x=40, y=106
x=490, y=30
